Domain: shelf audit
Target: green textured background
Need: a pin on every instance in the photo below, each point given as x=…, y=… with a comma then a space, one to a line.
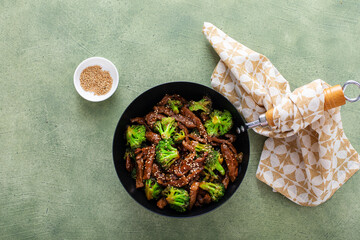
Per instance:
x=57, y=178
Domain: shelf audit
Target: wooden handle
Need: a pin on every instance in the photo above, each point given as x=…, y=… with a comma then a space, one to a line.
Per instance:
x=269, y=117
x=333, y=97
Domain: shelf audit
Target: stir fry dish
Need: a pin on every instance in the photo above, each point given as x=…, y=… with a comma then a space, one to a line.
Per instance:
x=181, y=153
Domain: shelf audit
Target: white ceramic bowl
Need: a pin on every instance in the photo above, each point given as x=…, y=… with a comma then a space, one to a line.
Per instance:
x=106, y=65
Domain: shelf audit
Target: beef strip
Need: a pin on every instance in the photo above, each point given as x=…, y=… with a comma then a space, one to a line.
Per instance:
x=239, y=157
x=152, y=117
x=140, y=120
x=184, y=120
x=204, y=117
x=186, y=163
x=170, y=177
x=152, y=137
x=194, y=189
x=129, y=165
x=178, y=117
x=187, y=113
x=200, y=197
x=197, y=138
x=156, y=172
x=161, y=203
x=163, y=110
x=140, y=168
x=188, y=146
x=206, y=199
x=166, y=98
x=232, y=148
x=197, y=167
x=230, y=160
x=231, y=137
x=150, y=156
x=226, y=180
x=217, y=140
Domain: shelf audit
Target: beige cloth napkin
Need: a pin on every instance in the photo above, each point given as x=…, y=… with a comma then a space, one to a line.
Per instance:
x=307, y=156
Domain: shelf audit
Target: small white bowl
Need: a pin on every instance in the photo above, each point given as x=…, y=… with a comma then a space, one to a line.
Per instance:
x=106, y=65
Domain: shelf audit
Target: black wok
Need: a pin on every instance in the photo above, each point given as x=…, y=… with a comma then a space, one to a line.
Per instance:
x=141, y=106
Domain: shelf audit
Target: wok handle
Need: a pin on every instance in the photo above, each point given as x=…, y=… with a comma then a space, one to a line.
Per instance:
x=333, y=97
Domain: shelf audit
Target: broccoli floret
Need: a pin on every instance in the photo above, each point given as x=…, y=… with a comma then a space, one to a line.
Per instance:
x=152, y=189
x=174, y=105
x=166, y=154
x=213, y=162
x=135, y=135
x=219, y=123
x=202, y=105
x=216, y=190
x=166, y=127
x=177, y=198
x=209, y=176
x=200, y=147
x=179, y=136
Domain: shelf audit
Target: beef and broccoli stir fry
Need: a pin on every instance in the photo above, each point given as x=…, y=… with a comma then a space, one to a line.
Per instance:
x=181, y=153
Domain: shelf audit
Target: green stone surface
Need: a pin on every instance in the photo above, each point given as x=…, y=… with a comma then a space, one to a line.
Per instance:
x=57, y=178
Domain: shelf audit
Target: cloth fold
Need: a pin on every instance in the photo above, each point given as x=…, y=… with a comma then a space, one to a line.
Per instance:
x=307, y=156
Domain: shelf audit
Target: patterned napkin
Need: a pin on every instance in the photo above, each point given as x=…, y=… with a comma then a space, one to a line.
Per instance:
x=307, y=156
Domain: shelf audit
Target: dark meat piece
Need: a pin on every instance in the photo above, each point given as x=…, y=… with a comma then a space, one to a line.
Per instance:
x=157, y=173
x=230, y=160
x=175, y=169
x=129, y=165
x=197, y=138
x=217, y=141
x=152, y=117
x=201, y=160
x=194, y=189
x=170, y=177
x=150, y=156
x=200, y=196
x=206, y=199
x=161, y=203
x=164, y=100
x=180, y=98
x=164, y=110
x=187, y=113
x=140, y=168
x=152, y=137
x=139, y=120
x=186, y=163
x=182, y=181
x=239, y=157
x=188, y=146
x=184, y=120
x=194, y=173
x=138, y=150
x=197, y=167
x=178, y=117
x=175, y=97
x=232, y=148
x=226, y=180
x=231, y=137
x=204, y=117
